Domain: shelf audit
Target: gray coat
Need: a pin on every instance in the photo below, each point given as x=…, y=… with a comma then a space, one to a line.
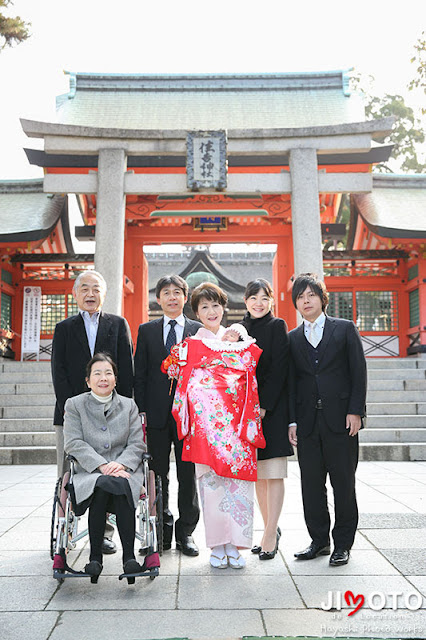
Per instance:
x=94, y=438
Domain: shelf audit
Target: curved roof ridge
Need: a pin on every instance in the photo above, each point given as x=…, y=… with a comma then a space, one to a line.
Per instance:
x=399, y=181
x=290, y=80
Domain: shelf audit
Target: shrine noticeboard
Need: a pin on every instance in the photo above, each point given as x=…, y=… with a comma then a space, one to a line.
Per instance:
x=31, y=321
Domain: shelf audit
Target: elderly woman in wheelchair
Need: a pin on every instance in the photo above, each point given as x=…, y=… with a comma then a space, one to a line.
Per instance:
x=103, y=437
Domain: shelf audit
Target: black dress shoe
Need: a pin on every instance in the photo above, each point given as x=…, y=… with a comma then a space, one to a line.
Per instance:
x=256, y=549
x=108, y=546
x=313, y=551
x=94, y=570
x=270, y=555
x=339, y=557
x=187, y=546
x=132, y=566
x=267, y=555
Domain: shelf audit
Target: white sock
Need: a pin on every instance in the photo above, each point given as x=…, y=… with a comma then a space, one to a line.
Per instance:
x=218, y=551
x=231, y=550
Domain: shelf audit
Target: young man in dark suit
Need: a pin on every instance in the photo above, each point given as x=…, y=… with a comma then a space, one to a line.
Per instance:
x=75, y=341
x=328, y=385
x=154, y=397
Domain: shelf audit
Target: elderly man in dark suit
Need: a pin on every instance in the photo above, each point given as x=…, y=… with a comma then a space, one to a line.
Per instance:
x=154, y=396
x=328, y=384
x=75, y=341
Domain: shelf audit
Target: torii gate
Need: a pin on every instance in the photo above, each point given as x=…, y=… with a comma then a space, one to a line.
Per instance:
x=304, y=181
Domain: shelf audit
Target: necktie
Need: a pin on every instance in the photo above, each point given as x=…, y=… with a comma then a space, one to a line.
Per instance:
x=171, y=336
x=313, y=336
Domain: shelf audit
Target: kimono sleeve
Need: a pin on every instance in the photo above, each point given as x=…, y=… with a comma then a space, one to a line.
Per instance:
x=251, y=424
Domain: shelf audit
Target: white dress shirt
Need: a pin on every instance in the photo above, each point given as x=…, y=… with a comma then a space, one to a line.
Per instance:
x=319, y=331
x=91, y=324
x=179, y=327
x=319, y=328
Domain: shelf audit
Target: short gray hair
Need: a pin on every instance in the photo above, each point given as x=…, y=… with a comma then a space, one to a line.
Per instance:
x=91, y=271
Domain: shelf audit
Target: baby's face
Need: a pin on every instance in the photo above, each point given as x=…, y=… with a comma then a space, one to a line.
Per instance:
x=231, y=336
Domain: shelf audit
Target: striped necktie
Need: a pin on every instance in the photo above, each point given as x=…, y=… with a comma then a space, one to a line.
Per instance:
x=171, y=336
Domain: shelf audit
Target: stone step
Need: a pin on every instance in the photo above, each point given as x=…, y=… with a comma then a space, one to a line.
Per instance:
x=26, y=388
x=27, y=439
x=396, y=363
x=17, y=366
x=396, y=374
x=392, y=435
x=27, y=412
x=25, y=377
x=396, y=408
x=397, y=385
x=396, y=422
x=402, y=452
x=25, y=400
x=26, y=424
x=27, y=455
x=407, y=395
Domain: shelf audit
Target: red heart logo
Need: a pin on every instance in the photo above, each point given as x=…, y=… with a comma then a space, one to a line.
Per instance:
x=359, y=597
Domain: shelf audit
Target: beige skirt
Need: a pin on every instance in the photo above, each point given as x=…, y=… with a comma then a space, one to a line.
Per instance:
x=272, y=469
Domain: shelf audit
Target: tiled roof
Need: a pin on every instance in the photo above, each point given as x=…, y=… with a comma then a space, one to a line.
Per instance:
x=209, y=102
x=26, y=213
x=396, y=208
x=240, y=268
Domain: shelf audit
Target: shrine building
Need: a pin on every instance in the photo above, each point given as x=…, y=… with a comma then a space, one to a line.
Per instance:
x=199, y=160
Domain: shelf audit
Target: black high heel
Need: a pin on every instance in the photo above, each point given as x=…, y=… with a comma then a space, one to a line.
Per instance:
x=270, y=555
x=256, y=549
x=132, y=566
x=94, y=570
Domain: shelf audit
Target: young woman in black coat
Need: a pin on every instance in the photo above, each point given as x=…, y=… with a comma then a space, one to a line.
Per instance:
x=271, y=373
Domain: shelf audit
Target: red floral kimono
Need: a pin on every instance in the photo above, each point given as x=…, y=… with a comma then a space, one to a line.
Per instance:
x=216, y=406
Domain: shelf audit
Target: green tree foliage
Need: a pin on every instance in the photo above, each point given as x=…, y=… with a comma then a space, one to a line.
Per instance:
x=13, y=30
x=408, y=132
x=406, y=135
x=419, y=59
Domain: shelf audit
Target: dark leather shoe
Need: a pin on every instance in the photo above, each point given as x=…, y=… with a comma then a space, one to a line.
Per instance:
x=267, y=555
x=256, y=549
x=108, y=546
x=132, y=566
x=94, y=570
x=187, y=546
x=270, y=555
x=313, y=551
x=339, y=557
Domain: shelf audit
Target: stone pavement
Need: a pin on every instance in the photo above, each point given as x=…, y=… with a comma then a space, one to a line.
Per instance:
x=189, y=599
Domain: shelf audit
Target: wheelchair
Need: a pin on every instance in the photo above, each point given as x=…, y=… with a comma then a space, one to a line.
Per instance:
x=64, y=533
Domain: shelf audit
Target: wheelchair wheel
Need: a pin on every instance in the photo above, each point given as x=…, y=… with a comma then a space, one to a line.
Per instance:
x=159, y=508
x=55, y=516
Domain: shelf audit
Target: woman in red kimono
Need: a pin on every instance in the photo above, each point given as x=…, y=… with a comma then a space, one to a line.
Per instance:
x=217, y=412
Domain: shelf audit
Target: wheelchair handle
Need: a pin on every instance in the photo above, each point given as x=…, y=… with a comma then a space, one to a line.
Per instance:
x=146, y=456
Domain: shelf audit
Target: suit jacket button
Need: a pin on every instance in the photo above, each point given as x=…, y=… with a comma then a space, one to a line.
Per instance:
x=106, y=446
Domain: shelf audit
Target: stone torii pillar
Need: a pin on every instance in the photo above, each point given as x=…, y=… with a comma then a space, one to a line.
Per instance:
x=306, y=220
x=110, y=225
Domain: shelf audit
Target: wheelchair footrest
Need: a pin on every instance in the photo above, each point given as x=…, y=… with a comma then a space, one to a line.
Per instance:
x=152, y=573
x=59, y=574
